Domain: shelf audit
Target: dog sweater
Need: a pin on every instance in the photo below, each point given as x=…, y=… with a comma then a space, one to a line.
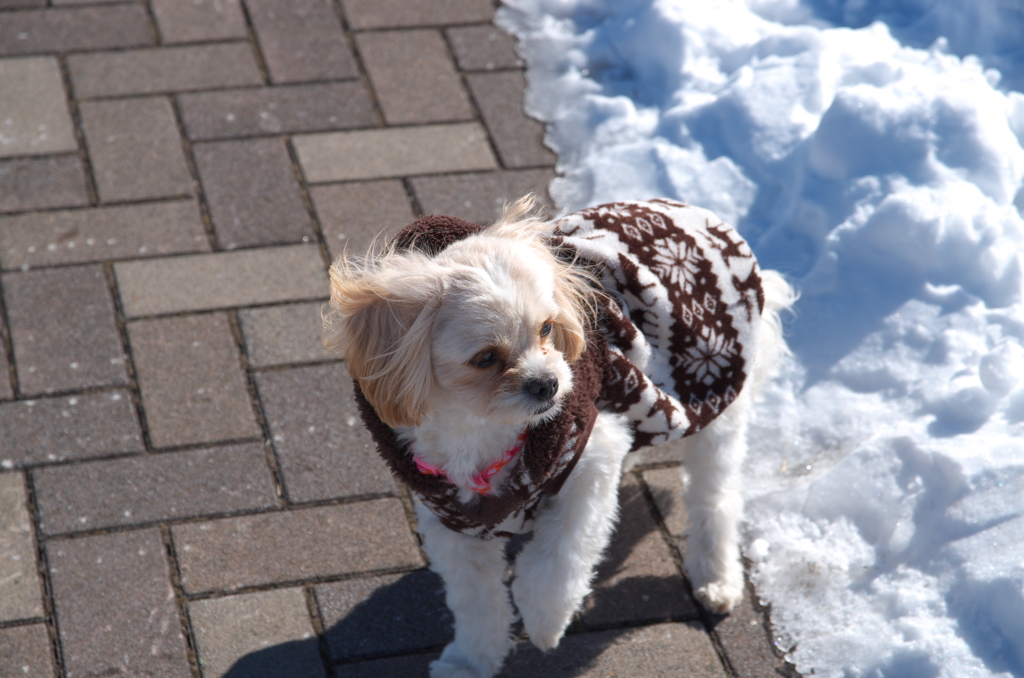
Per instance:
x=677, y=328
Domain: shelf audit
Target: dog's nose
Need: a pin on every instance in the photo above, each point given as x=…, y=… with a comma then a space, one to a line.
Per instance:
x=542, y=389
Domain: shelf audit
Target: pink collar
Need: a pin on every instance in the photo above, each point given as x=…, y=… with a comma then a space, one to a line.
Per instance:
x=482, y=480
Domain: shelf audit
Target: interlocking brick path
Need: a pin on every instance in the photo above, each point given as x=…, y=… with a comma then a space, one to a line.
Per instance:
x=185, y=488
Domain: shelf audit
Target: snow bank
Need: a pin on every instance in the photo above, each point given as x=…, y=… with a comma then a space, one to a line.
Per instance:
x=872, y=151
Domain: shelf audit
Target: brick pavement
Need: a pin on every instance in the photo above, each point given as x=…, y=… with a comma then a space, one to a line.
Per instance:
x=185, y=489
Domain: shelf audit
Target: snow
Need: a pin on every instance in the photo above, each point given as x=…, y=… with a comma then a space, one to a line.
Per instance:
x=871, y=150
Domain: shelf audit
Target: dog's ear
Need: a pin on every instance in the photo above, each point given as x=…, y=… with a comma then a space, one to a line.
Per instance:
x=573, y=300
x=380, y=319
x=573, y=292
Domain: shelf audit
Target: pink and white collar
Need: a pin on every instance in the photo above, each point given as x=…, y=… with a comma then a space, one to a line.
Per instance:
x=481, y=482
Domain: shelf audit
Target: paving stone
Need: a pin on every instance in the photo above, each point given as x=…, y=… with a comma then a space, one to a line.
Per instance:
x=192, y=385
x=396, y=13
x=74, y=29
x=199, y=20
x=483, y=48
x=666, y=486
x=63, y=329
x=745, y=636
x=25, y=652
x=100, y=234
x=283, y=546
x=410, y=666
x=479, y=197
x=413, y=76
x=389, y=615
x=221, y=280
x=660, y=651
x=21, y=592
x=674, y=452
x=272, y=110
x=34, y=118
x=323, y=449
x=6, y=390
x=256, y=634
x=153, y=487
x=639, y=580
x=115, y=607
x=68, y=427
x=396, y=152
x=743, y=633
x=252, y=192
x=166, y=69
x=42, y=183
x=352, y=215
x=280, y=335
x=135, y=149
x=519, y=138
x=301, y=40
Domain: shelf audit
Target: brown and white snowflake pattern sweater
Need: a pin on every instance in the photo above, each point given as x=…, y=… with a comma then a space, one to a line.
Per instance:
x=675, y=338
x=684, y=322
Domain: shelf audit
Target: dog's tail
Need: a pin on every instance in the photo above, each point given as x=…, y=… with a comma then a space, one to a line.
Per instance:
x=779, y=296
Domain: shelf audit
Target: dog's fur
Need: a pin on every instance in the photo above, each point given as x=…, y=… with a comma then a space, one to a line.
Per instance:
x=459, y=352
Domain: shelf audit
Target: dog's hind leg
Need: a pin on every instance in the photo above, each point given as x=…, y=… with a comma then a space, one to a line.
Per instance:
x=473, y=571
x=554, y=571
x=714, y=504
x=714, y=459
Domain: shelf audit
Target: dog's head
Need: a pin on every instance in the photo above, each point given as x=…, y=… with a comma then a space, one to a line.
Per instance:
x=489, y=325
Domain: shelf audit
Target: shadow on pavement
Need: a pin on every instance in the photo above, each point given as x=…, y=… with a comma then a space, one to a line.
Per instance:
x=402, y=626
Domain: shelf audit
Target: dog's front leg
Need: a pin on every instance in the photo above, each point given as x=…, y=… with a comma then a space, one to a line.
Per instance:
x=473, y=571
x=554, y=570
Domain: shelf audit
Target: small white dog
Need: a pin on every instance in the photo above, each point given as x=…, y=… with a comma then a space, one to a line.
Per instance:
x=505, y=373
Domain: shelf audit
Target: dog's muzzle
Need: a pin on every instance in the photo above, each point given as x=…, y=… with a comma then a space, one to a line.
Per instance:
x=543, y=391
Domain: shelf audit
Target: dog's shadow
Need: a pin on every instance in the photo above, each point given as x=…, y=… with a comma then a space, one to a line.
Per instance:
x=401, y=627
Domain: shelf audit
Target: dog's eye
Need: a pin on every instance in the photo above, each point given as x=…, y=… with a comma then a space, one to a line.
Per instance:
x=485, y=360
x=545, y=329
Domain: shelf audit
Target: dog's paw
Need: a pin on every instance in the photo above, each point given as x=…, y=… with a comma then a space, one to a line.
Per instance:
x=716, y=577
x=720, y=597
x=442, y=669
x=455, y=663
x=545, y=613
x=544, y=622
x=547, y=633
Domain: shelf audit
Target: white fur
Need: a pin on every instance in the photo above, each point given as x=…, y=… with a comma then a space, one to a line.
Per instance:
x=572, y=529
x=483, y=295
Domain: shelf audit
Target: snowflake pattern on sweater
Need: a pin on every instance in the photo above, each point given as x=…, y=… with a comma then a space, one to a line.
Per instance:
x=686, y=300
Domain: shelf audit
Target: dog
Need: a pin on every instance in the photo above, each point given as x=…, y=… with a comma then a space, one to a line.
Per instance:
x=507, y=372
